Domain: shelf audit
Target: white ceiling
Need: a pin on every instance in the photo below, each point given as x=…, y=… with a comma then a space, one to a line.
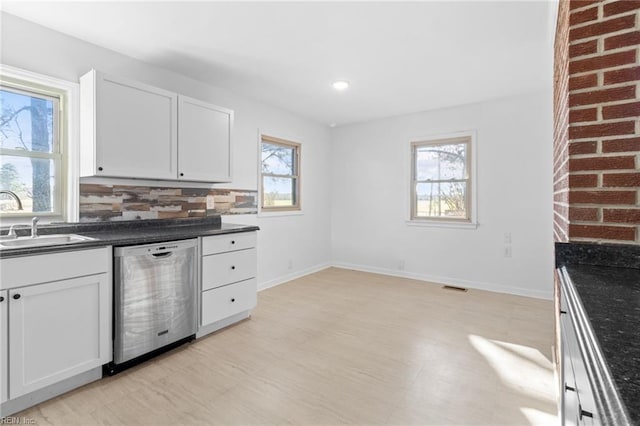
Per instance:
x=400, y=57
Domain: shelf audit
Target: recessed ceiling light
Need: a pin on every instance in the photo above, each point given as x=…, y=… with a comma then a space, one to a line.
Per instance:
x=340, y=85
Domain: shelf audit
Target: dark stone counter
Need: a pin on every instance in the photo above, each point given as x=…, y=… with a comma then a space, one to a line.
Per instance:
x=124, y=233
x=606, y=279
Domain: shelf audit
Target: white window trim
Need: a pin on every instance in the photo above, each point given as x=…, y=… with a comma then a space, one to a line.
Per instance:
x=262, y=213
x=70, y=207
x=472, y=223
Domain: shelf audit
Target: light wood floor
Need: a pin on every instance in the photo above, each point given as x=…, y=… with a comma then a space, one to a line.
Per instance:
x=343, y=347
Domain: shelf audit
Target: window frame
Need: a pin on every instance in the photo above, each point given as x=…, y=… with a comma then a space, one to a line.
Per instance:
x=297, y=176
x=470, y=221
x=66, y=158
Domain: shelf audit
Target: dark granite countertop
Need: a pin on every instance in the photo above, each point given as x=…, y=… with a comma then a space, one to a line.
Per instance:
x=605, y=279
x=123, y=233
x=610, y=297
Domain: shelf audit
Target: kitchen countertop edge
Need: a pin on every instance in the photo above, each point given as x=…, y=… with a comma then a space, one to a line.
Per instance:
x=125, y=236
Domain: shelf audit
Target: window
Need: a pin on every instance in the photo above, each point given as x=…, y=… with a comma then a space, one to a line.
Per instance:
x=33, y=161
x=280, y=174
x=441, y=180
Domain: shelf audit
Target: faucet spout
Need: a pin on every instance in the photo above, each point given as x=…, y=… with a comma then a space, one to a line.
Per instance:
x=34, y=227
x=14, y=196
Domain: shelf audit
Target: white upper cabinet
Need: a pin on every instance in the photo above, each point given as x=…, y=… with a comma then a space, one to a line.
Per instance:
x=128, y=128
x=204, y=135
x=133, y=130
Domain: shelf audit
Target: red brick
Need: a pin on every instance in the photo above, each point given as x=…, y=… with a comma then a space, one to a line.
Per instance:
x=583, y=81
x=599, y=96
x=621, y=76
x=583, y=181
x=583, y=214
x=574, y=4
x=583, y=147
x=586, y=48
x=604, y=232
x=628, y=180
x=604, y=27
x=583, y=16
x=621, y=215
x=580, y=115
x=603, y=61
x=631, y=109
x=620, y=7
x=622, y=40
x=602, y=197
x=605, y=129
x=621, y=145
x=602, y=163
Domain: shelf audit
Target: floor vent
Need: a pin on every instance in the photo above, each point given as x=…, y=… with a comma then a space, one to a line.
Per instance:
x=454, y=288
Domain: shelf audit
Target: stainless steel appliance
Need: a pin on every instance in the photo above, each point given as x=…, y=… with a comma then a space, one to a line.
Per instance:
x=154, y=297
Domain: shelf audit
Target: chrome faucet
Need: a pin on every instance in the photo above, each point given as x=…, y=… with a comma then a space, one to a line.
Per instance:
x=34, y=227
x=14, y=195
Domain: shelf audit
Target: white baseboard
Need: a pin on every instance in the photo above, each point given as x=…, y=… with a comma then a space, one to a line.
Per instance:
x=496, y=288
x=292, y=276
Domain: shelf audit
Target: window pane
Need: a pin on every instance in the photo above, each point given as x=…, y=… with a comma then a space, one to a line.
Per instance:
x=445, y=199
x=277, y=159
x=279, y=192
x=440, y=162
x=32, y=179
x=27, y=122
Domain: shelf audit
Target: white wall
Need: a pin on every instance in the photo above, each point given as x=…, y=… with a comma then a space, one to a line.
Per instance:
x=303, y=240
x=370, y=198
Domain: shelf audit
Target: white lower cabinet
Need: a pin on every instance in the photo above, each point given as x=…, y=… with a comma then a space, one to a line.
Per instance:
x=54, y=331
x=223, y=302
x=55, y=324
x=4, y=333
x=229, y=285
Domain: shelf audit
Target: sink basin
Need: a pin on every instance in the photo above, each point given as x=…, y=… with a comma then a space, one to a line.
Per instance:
x=44, y=240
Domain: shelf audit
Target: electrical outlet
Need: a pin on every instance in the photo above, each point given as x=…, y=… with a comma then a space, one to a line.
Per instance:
x=507, y=237
x=507, y=251
x=210, y=202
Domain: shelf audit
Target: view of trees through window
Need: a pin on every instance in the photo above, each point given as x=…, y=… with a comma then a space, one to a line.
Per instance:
x=441, y=180
x=29, y=149
x=279, y=175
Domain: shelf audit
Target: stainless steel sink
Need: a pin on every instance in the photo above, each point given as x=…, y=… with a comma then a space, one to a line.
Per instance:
x=44, y=240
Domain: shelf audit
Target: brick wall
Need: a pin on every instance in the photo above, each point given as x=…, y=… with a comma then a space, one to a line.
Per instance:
x=561, y=126
x=603, y=133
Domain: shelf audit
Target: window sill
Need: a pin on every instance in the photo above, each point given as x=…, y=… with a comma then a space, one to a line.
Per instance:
x=442, y=224
x=267, y=214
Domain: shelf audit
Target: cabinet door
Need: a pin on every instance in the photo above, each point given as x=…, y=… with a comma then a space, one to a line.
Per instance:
x=3, y=345
x=204, y=141
x=223, y=302
x=227, y=268
x=56, y=330
x=135, y=129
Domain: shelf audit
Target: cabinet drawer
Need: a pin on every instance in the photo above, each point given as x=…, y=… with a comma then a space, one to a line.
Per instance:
x=228, y=242
x=223, y=302
x=27, y=270
x=227, y=268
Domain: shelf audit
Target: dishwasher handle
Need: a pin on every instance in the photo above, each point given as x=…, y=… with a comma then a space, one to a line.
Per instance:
x=163, y=254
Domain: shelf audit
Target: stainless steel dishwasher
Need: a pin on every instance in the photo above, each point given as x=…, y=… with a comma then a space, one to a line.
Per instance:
x=154, y=298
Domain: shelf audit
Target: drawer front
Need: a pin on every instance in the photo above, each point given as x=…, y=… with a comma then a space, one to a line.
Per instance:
x=27, y=270
x=227, y=268
x=228, y=242
x=223, y=302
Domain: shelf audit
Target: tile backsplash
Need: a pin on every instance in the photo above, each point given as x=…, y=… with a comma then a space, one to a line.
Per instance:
x=104, y=202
